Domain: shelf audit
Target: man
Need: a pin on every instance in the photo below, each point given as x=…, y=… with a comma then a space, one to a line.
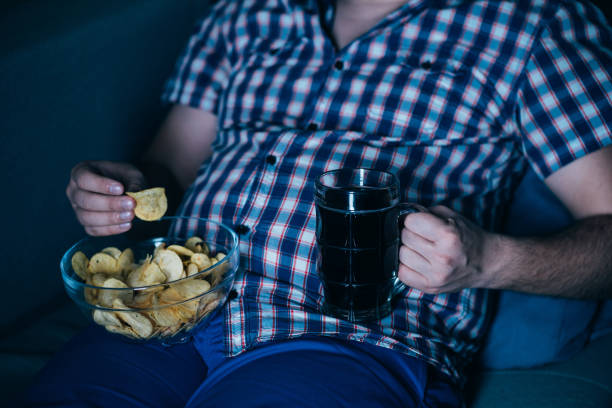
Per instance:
x=457, y=98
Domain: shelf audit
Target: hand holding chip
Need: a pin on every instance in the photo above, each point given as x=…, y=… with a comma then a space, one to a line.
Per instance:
x=97, y=194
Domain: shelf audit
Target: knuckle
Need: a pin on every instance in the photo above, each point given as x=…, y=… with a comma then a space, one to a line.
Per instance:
x=447, y=263
x=78, y=199
x=91, y=231
x=80, y=218
x=77, y=172
x=116, y=203
x=462, y=259
x=406, y=236
x=117, y=229
x=115, y=218
x=450, y=236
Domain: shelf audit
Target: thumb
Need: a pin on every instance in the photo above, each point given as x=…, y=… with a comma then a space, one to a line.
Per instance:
x=134, y=182
x=442, y=211
x=127, y=174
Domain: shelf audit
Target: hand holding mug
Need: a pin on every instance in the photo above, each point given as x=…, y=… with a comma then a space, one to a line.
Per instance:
x=443, y=251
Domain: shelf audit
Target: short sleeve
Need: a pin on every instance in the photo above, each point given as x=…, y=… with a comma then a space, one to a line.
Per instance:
x=565, y=102
x=201, y=72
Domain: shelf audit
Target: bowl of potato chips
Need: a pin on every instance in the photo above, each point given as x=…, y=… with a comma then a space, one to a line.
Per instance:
x=158, y=281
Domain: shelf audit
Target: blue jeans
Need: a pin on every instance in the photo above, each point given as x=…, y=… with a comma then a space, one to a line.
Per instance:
x=96, y=369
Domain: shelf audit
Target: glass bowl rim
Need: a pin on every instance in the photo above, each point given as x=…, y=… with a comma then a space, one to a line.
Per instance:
x=78, y=284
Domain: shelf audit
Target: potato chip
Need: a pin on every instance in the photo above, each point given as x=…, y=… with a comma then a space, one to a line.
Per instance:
x=146, y=274
x=169, y=296
x=201, y=260
x=181, y=250
x=192, y=288
x=217, y=273
x=102, y=263
x=98, y=279
x=145, y=299
x=192, y=269
x=151, y=204
x=105, y=318
x=137, y=321
x=125, y=261
x=158, y=248
x=123, y=330
x=169, y=331
x=170, y=264
x=90, y=294
x=112, y=251
x=165, y=317
x=208, y=303
x=185, y=312
x=79, y=264
x=163, y=310
x=219, y=257
x=106, y=297
x=197, y=244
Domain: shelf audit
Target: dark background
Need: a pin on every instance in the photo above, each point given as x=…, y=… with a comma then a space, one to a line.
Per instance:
x=79, y=79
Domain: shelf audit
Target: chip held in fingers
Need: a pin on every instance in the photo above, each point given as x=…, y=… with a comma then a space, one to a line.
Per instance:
x=151, y=204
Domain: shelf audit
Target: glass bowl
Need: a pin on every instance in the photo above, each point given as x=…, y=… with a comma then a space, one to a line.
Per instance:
x=168, y=311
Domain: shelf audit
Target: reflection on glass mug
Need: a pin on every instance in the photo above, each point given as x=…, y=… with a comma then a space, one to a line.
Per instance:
x=358, y=237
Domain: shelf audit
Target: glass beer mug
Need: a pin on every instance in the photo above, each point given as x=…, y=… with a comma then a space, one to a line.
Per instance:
x=358, y=237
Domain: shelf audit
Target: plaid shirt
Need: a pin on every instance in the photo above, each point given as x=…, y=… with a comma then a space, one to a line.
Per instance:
x=457, y=98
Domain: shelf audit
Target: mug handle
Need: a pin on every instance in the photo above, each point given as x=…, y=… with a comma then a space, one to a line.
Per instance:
x=405, y=209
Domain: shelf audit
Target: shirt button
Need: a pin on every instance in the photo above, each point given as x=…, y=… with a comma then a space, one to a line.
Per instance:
x=426, y=65
x=339, y=65
x=312, y=126
x=232, y=295
x=241, y=229
x=271, y=160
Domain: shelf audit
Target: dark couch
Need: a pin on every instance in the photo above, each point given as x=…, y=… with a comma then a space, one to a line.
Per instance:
x=81, y=80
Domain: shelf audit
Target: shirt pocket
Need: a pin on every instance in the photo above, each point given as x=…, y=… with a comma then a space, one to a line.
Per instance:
x=423, y=103
x=256, y=95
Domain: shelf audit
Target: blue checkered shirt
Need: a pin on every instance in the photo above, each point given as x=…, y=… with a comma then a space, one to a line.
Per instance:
x=458, y=98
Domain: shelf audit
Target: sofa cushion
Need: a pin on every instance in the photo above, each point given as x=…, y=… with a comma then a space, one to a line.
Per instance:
x=584, y=380
x=529, y=330
x=28, y=345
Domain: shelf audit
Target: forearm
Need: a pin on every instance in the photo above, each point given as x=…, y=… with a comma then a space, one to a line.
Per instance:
x=576, y=262
x=183, y=143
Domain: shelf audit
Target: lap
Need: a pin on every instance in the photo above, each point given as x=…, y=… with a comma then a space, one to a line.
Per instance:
x=324, y=372
x=99, y=369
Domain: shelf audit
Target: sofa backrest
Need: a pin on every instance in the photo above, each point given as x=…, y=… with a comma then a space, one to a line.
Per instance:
x=79, y=80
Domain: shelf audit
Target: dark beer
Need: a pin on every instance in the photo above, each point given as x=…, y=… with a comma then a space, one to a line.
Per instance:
x=357, y=238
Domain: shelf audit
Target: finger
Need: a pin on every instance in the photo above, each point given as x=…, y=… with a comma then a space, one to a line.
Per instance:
x=135, y=182
x=417, y=243
x=129, y=175
x=103, y=218
x=86, y=179
x=108, y=230
x=101, y=202
x=442, y=211
x=414, y=260
x=411, y=278
x=429, y=226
